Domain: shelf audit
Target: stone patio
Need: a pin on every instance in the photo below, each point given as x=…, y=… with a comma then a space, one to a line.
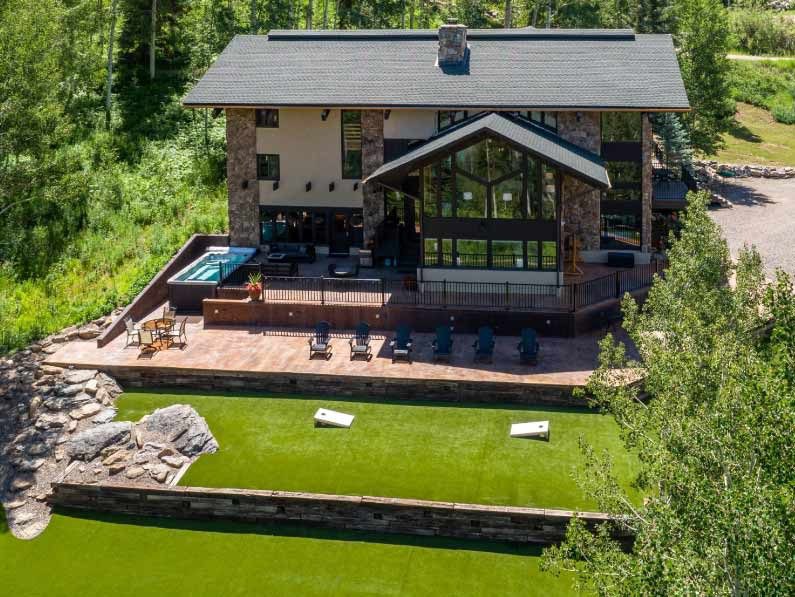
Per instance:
x=259, y=350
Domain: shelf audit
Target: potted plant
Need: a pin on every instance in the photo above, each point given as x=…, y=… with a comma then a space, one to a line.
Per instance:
x=254, y=286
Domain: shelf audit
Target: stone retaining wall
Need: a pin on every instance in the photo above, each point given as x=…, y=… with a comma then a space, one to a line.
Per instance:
x=745, y=170
x=362, y=513
x=349, y=386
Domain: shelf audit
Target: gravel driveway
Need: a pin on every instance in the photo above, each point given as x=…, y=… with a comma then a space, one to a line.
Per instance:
x=763, y=214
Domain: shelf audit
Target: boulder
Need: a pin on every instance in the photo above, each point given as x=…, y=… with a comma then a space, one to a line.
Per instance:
x=106, y=415
x=85, y=411
x=182, y=425
x=51, y=370
x=15, y=504
x=79, y=376
x=134, y=472
x=159, y=472
x=22, y=483
x=29, y=465
x=109, y=384
x=51, y=421
x=71, y=390
x=69, y=402
x=33, y=406
x=89, y=332
x=174, y=461
x=87, y=444
x=116, y=457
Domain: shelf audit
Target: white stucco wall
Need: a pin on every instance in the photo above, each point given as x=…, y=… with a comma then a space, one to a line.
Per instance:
x=310, y=150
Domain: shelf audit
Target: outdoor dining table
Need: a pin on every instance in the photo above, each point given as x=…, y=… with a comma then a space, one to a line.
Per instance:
x=157, y=327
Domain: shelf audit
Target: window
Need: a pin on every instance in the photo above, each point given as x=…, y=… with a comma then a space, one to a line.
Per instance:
x=267, y=119
x=448, y=118
x=533, y=193
x=472, y=253
x=471, y=198
x=351, y=144
x=321, y=228
x=507, y=198
x=489, y=160
x=546, y=119
x=447, y=252
x=268, y=166
x=549, y=193
x=549, y=254
x=621, y=126
x=507, y=254
x=431, y=248
x=532, y=254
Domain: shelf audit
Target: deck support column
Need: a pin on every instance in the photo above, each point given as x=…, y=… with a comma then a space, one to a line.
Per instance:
x=646, y=179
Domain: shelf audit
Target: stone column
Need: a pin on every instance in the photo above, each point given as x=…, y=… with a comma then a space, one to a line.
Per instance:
x=580, y=201
x=241, y=177
x=372, y=159
x=648, y=156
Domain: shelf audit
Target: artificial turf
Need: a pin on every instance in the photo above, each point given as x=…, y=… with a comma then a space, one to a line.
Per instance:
x=395, y=449
x=105, y=555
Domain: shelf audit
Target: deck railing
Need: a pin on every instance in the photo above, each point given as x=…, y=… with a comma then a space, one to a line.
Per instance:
x=480, y=295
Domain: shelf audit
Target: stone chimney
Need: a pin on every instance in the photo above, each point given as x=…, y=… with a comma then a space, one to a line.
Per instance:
x=452, y=44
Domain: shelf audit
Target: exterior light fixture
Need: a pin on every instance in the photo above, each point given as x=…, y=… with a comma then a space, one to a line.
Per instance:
x=386, y=114
x=308, y=187
x=355, y=186
x=276, y=185
x=330, y=187
x=324, y=114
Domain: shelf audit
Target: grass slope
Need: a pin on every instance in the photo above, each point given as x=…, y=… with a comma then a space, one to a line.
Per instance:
x=140, y=557
x=423, y=451
x=758, y=139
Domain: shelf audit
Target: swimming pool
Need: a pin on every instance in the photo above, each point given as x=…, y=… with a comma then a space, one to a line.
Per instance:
x=197, y=281
x=207, y=267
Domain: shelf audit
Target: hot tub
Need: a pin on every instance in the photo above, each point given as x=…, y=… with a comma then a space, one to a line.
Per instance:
x=198, y=281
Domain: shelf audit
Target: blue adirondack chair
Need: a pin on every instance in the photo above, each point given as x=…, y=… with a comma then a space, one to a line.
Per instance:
x=528, y=347
x=320, y=343
x=484, y=345
x=401, y=344
x=443, y=343
x=360, y=342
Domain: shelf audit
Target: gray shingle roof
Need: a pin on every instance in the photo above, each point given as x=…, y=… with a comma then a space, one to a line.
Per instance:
x=510, y=69
x=535, y=139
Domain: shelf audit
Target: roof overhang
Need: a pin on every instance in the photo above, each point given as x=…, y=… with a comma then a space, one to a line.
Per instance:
x=536, y=140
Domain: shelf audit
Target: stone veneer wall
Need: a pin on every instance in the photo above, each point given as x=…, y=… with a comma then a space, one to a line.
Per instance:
x=379, y=514
x=580, y=202
x=647, y=148
x=372, y=159
x=241, y=172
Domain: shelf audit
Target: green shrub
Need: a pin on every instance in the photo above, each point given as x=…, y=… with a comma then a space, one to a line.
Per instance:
x=762, y=32
x=768, y=84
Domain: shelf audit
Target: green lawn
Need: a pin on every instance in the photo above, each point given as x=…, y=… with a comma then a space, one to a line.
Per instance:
x=758, y=139
x=400, y=449
x=118, y=556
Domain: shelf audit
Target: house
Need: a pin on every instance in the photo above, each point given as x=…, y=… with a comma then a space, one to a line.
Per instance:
x=469, y=155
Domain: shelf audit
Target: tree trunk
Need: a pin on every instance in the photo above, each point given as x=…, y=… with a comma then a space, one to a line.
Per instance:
x=535, y=14
x=111, y=38
x=253, y=17
x=152, y=41
x=549, y=14
x=310, y=13
x=508, y=14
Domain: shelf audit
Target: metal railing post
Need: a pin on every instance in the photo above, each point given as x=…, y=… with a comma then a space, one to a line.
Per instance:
x=507, y=296
x=383, y=292
x=573, y=298
x=618, y=284
x=444, y=293
x=322, y=290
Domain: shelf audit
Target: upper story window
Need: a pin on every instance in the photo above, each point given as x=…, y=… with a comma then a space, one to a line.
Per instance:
x=351, y=144
x=547, y=119
x=267, y=166
x=268, y=119
x=447, y=118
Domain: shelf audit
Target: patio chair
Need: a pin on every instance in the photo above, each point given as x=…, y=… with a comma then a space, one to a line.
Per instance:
x=132, y=332
x=178, y=335
x=320, y=343
x=360, y=342
x=443, y=343
x=484, y=345
x=146, y=340
x=401, y=344
x=528, y=347
x=169, y=313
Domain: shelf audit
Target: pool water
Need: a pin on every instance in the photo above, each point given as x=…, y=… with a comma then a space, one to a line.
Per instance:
x=206, y=269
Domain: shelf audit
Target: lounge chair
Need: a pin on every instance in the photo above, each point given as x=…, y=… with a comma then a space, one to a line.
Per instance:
x=443, y=343
x=360, y=342
x=484, y=345
x=528, y=347
x=146, y=340
x=132, y=332
x=320, y=343
x=178, y=335
x=401, y=344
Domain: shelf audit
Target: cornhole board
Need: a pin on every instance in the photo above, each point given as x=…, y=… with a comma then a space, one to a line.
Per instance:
x=331, y=418
x=532, y=429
